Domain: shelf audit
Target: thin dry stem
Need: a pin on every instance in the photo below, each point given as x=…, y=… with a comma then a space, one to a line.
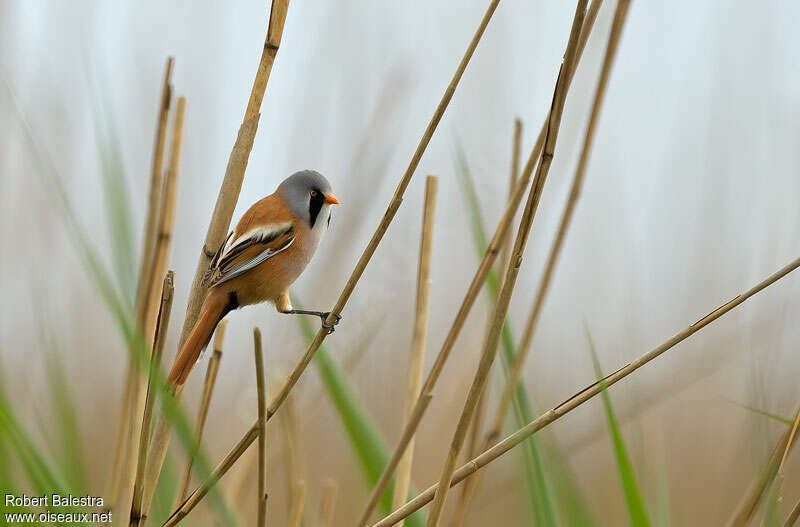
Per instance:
x=416, y=359
x=491, y=254
x=299, y=505
x=581, y=397
x=327, y=504
x=162, y=325
x=294, y=470
x=143, y=283
x=789, y=443
x=261, y=384
x=223, y=209
x=477, y=422
x=793, y=516
x=504, y=299
x=391, y=210
x=752, y=499
x=205, y=403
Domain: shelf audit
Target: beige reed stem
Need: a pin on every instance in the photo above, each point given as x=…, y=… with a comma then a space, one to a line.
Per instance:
x=261, y=384
x=223, y=210
x=504, y=298
x=755, y=494
x=417, y=353
x=473, y=443
x=142, y=286
x=483, y=269
x=349, y=287
x=167, y=294
x=205, y=403
x=296, y=519
x=581, y=397
x=327, y=504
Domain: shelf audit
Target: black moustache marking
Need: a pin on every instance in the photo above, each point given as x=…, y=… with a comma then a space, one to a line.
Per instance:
x=314, y=206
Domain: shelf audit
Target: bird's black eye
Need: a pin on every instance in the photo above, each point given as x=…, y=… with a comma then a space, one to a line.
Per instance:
x=313, y=193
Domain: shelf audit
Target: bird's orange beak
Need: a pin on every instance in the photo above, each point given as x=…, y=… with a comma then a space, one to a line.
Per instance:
x=330, y=198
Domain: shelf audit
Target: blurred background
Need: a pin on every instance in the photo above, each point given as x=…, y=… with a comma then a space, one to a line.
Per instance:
x=690, y=198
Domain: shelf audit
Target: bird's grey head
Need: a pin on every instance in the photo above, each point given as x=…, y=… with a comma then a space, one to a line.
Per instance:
x=306, y=193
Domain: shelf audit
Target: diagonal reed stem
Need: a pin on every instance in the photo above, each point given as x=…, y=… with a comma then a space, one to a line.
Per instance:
x=752, y=499
x=261, y=385
x=582, y=396
x=165, y=308
x=349, y=287
x=223, y=211
x=486, y=264
x=473, y=445
x=205, y=403
x=577, y=183
x=504, y=299
x=143, y=283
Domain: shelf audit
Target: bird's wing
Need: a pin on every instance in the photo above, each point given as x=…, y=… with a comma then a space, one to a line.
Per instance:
x=242, y=253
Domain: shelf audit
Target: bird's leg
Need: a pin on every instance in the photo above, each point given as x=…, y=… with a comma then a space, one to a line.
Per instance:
x=321, y=314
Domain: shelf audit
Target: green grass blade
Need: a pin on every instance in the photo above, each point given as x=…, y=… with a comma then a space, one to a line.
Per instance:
x=367, y=441
x=637, y=512
x=776, y=417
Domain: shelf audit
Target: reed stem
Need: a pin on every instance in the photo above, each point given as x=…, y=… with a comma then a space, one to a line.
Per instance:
x=582, y=396
x=327, y=504
x=504, y=298
x=162, y=325
x=261, y=384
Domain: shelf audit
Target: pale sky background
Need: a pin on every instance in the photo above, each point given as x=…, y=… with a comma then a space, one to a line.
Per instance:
x=690, y=198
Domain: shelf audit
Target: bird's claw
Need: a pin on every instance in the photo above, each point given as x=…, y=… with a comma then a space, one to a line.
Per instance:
x=332, y=327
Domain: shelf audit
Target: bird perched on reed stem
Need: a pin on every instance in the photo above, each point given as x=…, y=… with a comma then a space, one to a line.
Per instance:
x=266, y=252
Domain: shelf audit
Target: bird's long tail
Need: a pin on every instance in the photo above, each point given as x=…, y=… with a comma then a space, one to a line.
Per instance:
x=214, y=309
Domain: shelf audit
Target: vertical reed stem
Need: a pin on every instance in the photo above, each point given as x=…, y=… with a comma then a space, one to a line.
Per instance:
x=165, y=308
x=261, y=384
x=143, y=283
x=327, y=505
x=299, y=504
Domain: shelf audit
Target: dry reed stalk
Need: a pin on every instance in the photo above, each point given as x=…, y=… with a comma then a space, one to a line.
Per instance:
x=582, y=396
x=789, y=443
x=327, y=503
x=361, y=265
x=488, y=260
x=294, y=471
x=793, y=516
x=223, y=209
x=261, y=385
x=504, y=298
x=566, y=217
x=296, y=518
x=756, y=492
x=416, y=360
x=205, y=403
x=159, y=264
x=143, y=282
x=477, y=422
x=162, y=325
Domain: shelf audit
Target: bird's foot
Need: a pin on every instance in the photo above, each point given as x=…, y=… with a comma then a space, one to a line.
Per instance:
x=329, y=328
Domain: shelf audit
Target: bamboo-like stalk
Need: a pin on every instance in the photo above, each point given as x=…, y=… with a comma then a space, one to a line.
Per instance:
x=261, y=385
x=167, y=294
x=487, y=262
x=504, y=298
x=582, y=396
x=327, y=503
x=296, y=518
x=754, y=495
x=789, y=443
x=205, y=403
x=223, y=210
x=294, y=471
x=366, y=256
x=164, y=228
x=566, y=217
x=473, y=443
x=793, y=516
x=143, y=282
x=417, y=353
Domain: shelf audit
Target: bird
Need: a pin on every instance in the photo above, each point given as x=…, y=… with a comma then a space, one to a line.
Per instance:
x=263, y=255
